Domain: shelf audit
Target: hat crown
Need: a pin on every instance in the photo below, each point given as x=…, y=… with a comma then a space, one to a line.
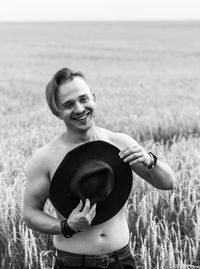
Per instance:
x=93, y=180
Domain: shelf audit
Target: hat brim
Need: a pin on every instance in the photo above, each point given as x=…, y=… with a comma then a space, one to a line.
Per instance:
x=98, y=150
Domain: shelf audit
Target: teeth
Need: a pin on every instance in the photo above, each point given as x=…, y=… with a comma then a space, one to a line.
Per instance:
x=82, y=117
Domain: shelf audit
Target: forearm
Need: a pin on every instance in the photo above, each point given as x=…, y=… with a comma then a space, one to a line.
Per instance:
x=162, y=176
x=42, y=222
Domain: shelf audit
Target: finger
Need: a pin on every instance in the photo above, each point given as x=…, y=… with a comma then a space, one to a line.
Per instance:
x=93, y=209
x=139, y=160
x=79, y=206
x=93, y=215
x=129, y=151
x=92, y=212
x=88, y=219
x=125, y=149
x=122, y=150
x=86, y=207
x=132, y=157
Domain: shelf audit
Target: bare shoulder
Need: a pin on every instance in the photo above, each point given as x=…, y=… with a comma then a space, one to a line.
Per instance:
x=47, y=158
x=120, y=140
x=42, y=158
x=38, y=164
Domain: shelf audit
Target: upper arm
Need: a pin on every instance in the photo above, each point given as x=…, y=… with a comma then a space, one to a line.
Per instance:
x=37, y=184
x=162, y=178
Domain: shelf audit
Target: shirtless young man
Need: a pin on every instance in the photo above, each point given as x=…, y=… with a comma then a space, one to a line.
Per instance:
x=71, y=100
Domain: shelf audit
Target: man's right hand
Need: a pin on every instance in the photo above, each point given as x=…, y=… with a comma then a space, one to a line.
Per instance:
x=80, y=219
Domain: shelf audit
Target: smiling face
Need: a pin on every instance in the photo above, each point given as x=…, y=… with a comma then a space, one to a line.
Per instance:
x=77, y=105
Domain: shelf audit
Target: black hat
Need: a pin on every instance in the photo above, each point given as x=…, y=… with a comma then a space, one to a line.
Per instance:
x=95, y=171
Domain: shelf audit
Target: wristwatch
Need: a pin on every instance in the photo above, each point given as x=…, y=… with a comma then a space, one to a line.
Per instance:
x=154, y=159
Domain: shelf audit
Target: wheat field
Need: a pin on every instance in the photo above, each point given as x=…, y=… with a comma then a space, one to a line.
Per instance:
x=146, y=78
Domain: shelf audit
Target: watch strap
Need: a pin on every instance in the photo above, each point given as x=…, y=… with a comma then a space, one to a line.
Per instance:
x=67, y=231
x=154, y=159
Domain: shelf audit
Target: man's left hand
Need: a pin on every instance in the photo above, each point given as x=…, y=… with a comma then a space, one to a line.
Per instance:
x=135, y=154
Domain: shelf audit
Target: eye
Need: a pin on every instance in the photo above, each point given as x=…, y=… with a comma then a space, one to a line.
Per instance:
x=84, y=99
x=68, y=105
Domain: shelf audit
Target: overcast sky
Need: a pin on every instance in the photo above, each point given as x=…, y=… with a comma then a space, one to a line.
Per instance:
x=59, y=10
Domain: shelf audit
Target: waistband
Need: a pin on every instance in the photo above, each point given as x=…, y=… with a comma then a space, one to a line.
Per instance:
x=102, y=261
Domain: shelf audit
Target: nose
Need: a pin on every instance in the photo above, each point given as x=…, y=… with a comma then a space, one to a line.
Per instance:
x=79, y=108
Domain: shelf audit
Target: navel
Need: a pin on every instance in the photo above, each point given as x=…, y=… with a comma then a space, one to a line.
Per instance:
x=102, y=235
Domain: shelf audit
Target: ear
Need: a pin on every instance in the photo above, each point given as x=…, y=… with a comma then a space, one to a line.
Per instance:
x=94, y=97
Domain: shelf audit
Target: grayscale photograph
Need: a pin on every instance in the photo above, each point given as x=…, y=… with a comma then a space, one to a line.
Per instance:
x=100, y=134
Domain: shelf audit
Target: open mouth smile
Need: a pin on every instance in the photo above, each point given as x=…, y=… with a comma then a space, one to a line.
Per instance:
x=81, y=117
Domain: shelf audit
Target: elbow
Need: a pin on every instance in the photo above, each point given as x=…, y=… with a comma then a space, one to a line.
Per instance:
x=172, y=182
x=27, y=219
x=169, y=183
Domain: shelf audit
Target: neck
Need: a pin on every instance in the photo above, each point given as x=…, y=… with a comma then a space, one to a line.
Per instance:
x=81, y=137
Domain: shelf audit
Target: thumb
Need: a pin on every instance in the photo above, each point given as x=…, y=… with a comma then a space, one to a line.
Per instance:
x=79, y=206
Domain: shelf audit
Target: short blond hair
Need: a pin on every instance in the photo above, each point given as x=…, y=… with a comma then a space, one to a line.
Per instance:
x=60, y=77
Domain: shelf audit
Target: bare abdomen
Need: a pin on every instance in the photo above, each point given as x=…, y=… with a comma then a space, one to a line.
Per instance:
x=99, y=239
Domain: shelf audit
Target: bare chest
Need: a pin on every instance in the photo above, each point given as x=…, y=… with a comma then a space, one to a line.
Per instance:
x=58, y=152
x=56, y=157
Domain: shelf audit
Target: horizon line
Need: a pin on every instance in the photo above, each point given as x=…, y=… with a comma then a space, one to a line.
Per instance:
x=103, y=20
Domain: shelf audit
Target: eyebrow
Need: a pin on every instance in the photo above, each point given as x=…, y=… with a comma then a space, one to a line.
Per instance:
x=72, y=100
x=84, y=95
